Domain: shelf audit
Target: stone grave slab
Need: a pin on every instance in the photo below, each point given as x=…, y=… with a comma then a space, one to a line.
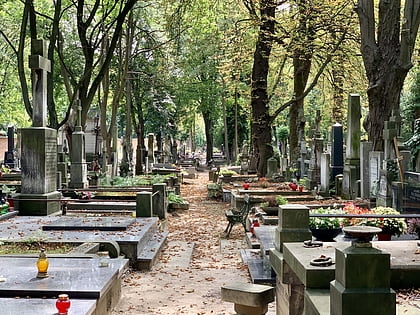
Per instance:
x=132, y=241
x=29, y=306
x=79, y=278
x=405, y=263
x=90, y=223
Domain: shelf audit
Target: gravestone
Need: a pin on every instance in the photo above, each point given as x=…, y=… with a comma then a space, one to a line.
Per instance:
x=62, y=166
x=337, y=160
x=325, y=173
x=384, y=196
x=271, y=167
x=244, y=159
x=314, y=172
x=150, y=150
x=375, y=164
x=9, y=157
x=303, y=156
x=365, y=149
x=351, y=171
x=39, y=195
x=78, y=166
x=411, y=194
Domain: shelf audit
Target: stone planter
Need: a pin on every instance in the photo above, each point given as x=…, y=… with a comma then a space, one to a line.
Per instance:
x=178, y=206
x=325, y=235
x=384, y=237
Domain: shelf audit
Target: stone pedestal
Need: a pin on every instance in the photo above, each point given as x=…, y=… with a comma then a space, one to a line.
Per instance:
x=249, y=299
x=159, y=200
x=351, y=172
x=271, y=167
x=365, y=149
x=144, y=206
x=314, y=172
x=362, y=282
x=325, y=173
x=293, y=227
x=337, y=158
x=78, y=167
x=39, y=195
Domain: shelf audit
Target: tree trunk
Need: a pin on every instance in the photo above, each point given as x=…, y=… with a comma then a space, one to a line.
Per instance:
x=387, y=51
x=302, y=62
x=260, y=121
x=208, y=126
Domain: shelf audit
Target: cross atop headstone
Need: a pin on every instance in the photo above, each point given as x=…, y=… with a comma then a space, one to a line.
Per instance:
x=78, y=126
x=318, y=124
x=40, y=66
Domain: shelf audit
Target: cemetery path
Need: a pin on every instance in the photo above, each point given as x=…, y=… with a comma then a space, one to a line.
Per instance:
x=195, y=263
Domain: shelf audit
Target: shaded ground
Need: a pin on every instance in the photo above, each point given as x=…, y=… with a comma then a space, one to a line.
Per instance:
x=197, y=261
x=194, y=264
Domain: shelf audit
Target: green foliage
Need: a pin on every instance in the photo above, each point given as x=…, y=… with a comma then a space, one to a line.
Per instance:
x=326, y=222
x=393, y=226
x=144, y=180
x=174, y=198
x=280, y=200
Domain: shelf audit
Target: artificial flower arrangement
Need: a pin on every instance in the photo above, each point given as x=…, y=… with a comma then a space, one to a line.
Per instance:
x=392, y=226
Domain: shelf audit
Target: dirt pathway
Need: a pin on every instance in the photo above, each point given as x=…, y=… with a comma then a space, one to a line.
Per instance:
x=195, y=262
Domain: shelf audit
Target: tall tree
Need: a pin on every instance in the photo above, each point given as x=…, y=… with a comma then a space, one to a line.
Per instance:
x=260, y=117
x=387, y=49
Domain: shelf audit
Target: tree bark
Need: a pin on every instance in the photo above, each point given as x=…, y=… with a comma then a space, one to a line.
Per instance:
x=387, y=51
x=302, y=62
x=260, y=121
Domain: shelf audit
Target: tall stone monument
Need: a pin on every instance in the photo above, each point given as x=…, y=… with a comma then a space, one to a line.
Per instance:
x=351, y=172
x=388, y=172
x=150, y=151
x=337, y=156
x=9, y=157
x=39, y=195
x=314, y=172
x=78, y=166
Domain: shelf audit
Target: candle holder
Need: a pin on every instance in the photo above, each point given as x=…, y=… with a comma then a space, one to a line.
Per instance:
x=42, y=264
x=63, y=304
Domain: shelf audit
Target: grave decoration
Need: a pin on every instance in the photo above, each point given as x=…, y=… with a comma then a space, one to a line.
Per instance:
x=389, y=226
x=325, y=228
x=42, y=264
x=63, y=304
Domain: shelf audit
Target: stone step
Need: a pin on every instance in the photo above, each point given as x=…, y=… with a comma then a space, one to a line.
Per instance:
x=270, y=219
x=147, y=256
x=179, y=254
x=259, y=267
x=101, y=205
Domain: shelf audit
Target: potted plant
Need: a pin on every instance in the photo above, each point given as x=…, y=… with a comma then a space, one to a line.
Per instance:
x=389, y=226
x=351, y=208
x=177, y=202
x=270, y=204
x=413, y=226
x=227, y=173
x=325, y=228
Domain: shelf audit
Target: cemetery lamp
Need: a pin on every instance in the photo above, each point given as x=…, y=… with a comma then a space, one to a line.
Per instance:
x=63, y=304
x=42, y=264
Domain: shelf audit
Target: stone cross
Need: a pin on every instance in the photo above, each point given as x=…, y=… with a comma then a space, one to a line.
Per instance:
x=318, y=123
x=40, y=66
x=78, y=126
